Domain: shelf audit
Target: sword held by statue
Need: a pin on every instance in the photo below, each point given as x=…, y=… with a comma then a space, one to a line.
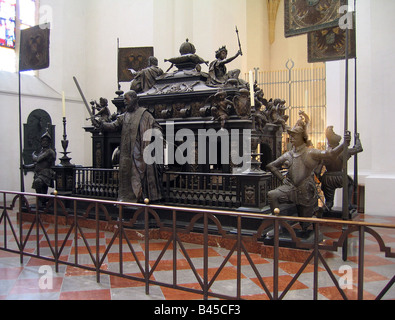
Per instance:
x=91, y=115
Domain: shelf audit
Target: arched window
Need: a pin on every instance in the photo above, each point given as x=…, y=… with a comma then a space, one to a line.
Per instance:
x=15, y=15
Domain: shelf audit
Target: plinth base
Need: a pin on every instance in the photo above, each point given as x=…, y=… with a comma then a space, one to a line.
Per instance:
x=338, y=213
x=264, y=210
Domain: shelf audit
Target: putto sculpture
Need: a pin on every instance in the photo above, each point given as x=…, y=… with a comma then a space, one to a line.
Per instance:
x=221, y=107
x=103, y=112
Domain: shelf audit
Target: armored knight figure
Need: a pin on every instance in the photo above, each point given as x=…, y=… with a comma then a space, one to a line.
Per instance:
x=298, y=185
x=332, y=178
x=43, y=160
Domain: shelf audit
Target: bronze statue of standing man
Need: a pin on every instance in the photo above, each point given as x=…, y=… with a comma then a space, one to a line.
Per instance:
x=43, y=161
x=137, y=179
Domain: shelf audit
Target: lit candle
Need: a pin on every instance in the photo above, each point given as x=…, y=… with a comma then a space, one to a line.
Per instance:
x=252, y=93
x=64, y=105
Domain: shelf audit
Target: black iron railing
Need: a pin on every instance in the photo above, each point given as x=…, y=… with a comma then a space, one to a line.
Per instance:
x=202, y=189
x=146, y=220
x=214, y=190
x=96, y=183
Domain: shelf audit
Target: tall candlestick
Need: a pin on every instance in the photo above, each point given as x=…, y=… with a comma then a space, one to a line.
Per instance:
x=252, y=93
x=64, y=105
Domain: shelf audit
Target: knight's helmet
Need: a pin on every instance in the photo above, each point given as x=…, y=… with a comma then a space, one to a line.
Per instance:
x=47, y=134
x=333, y=138
x=301, y=126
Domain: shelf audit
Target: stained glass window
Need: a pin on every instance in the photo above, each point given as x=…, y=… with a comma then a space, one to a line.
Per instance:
x=27, y=17
x=7, y=23
x=9, y=27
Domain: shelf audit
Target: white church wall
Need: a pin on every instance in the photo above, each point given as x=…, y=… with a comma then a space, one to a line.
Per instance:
x=67, y=58
x=376, y=80
x=35, y=94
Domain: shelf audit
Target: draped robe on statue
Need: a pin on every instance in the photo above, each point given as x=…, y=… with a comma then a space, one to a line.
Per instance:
x=137, y=180
x=145, y=79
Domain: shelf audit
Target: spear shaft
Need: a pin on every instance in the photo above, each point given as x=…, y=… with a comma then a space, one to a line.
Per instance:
x=238, y=39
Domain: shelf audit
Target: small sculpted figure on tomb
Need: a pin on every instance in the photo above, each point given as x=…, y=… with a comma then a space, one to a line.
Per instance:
x=218, y=73
x=242, y=103
x=261, y=118
x=103, y=110
x=220, y=107
x=276, y=113
x=146, y=78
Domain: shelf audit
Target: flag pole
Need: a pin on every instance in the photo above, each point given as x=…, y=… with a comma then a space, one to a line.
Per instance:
x=346, y=213
x=345, y=151
x=356, y=182
x=22, y=180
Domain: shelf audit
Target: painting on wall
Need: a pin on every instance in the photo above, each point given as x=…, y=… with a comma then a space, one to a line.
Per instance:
x=34, y=51
x=131, y=60
x=303, y=16
x=7, y=23
x=329, y=44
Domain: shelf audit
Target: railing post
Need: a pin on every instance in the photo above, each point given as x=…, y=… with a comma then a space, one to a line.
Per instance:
x=97, y=242
x=56, y=235
x=205, y=257
x=37, y=228
x=21, y=247
x=361, y=257
x=76, y=233
x=276, y=245
x=174, y=248
x=316, y=252
x=3, y=217
x=146, y=238
x=238, y=288
x=120, y=229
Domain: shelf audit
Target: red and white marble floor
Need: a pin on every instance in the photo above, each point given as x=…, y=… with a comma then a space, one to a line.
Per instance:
x=25, y=281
